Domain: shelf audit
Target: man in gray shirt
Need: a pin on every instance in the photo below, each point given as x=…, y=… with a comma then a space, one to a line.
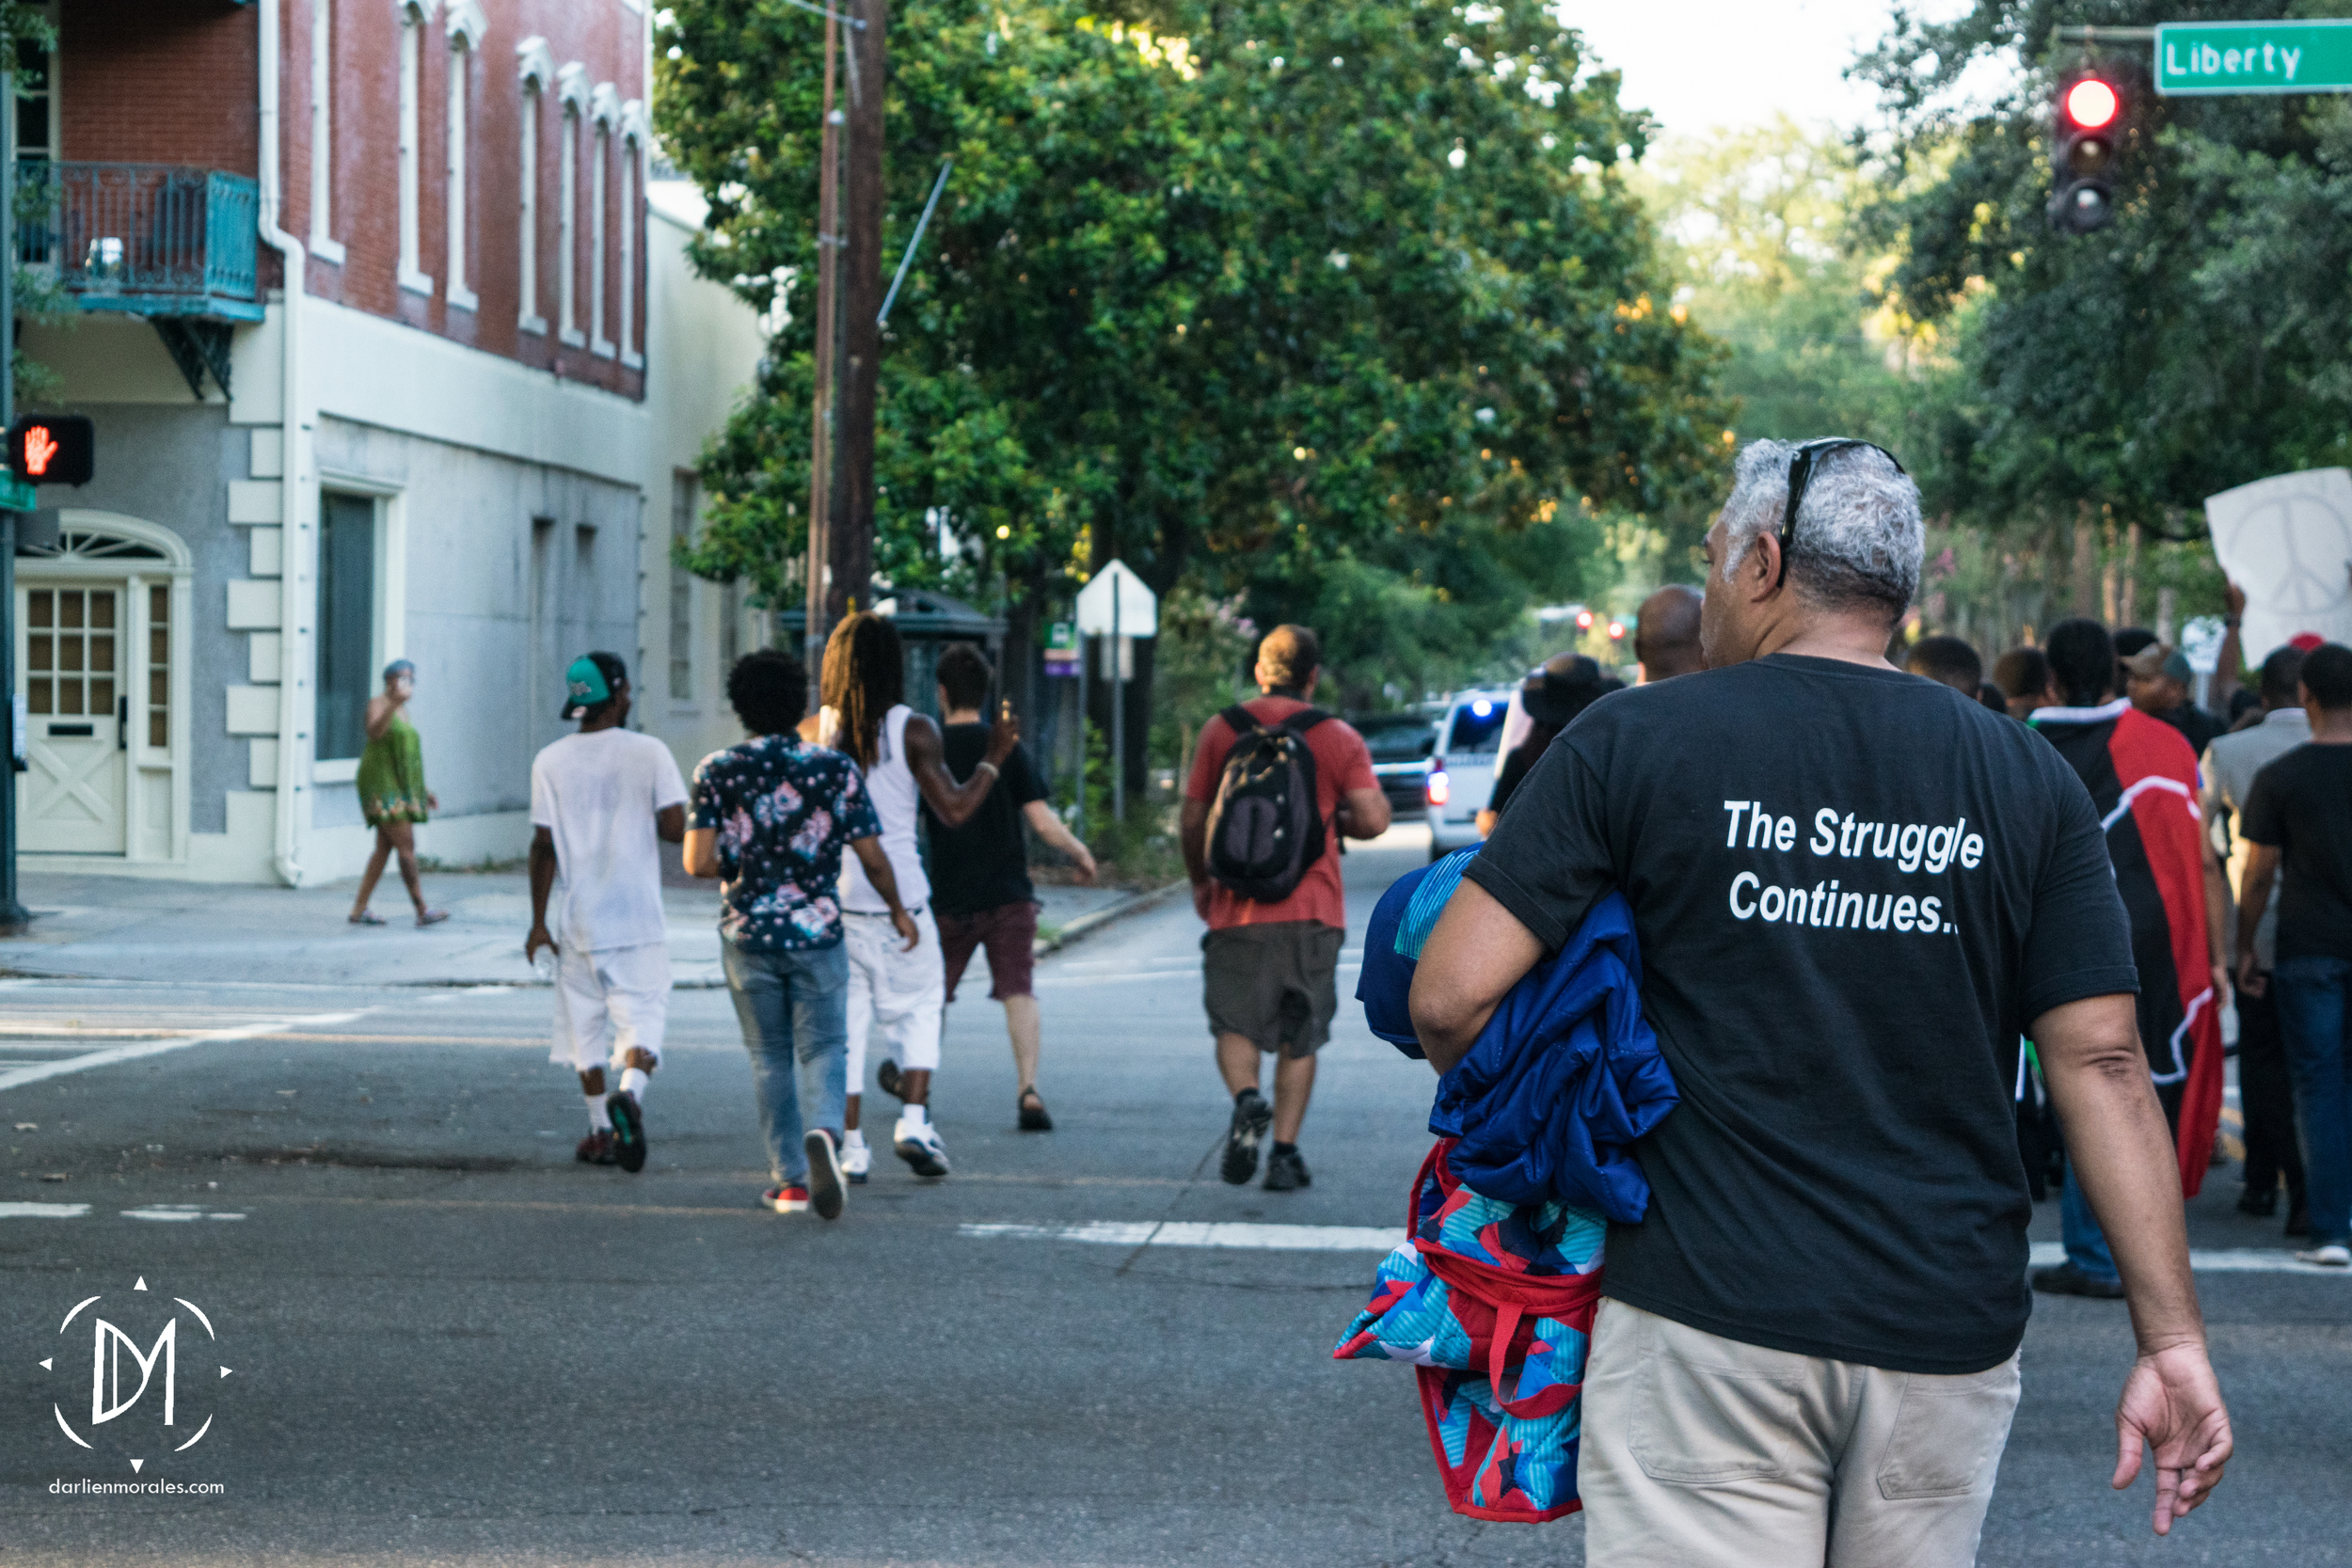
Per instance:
x=2266, y=1091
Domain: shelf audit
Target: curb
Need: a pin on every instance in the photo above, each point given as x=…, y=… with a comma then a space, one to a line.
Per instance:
x=1087, y=924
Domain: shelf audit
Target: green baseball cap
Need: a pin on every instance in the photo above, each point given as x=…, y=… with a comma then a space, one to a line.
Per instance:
x=584, y=687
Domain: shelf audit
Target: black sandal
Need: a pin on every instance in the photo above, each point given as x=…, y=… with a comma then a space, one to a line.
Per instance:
x=1032, y=1111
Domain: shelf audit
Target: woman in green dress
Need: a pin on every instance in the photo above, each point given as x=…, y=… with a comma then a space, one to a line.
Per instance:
x=392, y=794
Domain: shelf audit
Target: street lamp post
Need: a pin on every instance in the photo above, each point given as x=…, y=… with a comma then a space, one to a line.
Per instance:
x=14, y=916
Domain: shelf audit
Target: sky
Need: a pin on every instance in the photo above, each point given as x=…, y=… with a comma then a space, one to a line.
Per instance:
x=1696, y=64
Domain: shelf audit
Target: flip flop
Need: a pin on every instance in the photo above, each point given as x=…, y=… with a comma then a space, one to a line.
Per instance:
x=1031, y=1110
x=367, y=917
x=430, y=918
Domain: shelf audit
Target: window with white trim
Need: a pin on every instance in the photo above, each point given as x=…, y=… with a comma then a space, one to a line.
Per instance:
x=537, y=69
x=632, y=162
x=572, y=90
x=412, y=20
x=683, y=504
x=323, y=243
x=466, y=27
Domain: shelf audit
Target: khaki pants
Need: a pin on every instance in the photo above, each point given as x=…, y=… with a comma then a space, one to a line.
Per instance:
x=1699, y=1450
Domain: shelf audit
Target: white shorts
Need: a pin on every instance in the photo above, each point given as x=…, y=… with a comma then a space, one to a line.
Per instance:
x=622, y=993
x=904, y=992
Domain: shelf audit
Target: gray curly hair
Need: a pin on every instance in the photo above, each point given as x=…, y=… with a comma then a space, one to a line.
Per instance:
x=1859, y=539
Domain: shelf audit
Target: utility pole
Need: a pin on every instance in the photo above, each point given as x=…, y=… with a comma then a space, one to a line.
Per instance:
x=14, y=917
x=820, y=483
x=850, y=522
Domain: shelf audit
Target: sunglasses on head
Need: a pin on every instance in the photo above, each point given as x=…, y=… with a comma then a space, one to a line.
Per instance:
x=1801, y=465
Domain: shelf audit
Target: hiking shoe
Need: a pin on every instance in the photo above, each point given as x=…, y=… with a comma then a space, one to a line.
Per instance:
x=824, y=1174
x=629, y=1130
x=596, y=1149
x=917, y=1143
x=1032, y=1116
x=790, y=1198
x=887, y=1076
x=1286, y=1172
x=857, y=1160
x=2334, y=1256
x=2067, y=1280
x=1253, y=1115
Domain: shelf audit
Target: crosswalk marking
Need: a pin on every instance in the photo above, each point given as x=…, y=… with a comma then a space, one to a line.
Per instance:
x=150, y=1046
x=1194, y=1234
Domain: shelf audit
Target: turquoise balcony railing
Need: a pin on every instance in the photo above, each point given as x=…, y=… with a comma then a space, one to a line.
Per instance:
x=153, y=239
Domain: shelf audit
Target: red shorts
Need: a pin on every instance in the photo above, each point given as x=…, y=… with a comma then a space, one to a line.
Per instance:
x=1008, y=932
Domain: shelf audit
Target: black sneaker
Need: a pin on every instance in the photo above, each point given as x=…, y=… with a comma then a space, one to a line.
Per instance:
x=629, y=1130
x=1253, y=1115
x=887, y=1076
x=824, y=1174
x=2065, y=1279
x=1286, y=1172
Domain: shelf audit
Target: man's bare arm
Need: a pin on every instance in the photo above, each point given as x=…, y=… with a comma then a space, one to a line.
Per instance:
x=702, y=851
x=2254, y=896
x=1469, y=963
x=670, y=823
x=1364, y=813
x=926, y=759
x=869, y=855
x=2119, y=1149
x=1055, y=832
x=543, y=868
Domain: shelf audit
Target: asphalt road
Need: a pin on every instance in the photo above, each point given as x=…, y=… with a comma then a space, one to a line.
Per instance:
x=447, y=1342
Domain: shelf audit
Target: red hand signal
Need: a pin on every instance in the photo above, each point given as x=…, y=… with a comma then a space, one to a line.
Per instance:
x=39, y=446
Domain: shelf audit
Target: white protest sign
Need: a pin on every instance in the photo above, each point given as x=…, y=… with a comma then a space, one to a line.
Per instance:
x=1136, y=608
x=2287, y=541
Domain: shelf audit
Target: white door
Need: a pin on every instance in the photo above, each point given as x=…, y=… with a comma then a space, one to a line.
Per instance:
x=71, y=654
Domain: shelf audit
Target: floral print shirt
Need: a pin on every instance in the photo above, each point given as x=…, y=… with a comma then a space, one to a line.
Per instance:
x=783, y=811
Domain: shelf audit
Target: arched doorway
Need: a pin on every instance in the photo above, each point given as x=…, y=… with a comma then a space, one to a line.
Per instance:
x=102, y=661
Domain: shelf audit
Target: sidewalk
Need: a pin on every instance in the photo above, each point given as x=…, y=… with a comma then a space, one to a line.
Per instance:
x=124, y=929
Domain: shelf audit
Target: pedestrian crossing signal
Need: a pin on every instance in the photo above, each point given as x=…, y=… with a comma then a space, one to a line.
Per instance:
x=52, y=448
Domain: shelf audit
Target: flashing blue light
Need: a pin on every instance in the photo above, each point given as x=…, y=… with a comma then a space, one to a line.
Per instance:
x=1482, y=707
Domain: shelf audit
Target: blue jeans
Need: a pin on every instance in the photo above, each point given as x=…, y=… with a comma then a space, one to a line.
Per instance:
x=2086, y=1244
x=794, y=1006
x=2316, y=1015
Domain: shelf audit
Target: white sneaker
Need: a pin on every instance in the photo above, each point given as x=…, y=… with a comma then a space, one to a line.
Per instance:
x=917, y=1143
x=2334, y=1256
x=857, y=1159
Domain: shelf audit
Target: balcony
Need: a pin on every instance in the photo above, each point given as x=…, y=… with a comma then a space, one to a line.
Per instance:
x=156, y=240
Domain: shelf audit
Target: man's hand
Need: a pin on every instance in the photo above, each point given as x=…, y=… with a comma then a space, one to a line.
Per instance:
x=2221, y=984
x=2171, y=1403
x=1201, y=892
x=2250, y=976
x=904, y=925
x=1002, y=735
x=2233, y=599
x=536, y=939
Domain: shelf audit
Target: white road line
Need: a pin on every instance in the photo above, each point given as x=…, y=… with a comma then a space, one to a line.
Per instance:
x=15, y=1077
x=2241, y=1259
x=179, y=1212
x=42, y=1210
x=1191, y=1233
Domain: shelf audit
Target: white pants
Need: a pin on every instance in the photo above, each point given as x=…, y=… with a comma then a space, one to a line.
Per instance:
x=622, y=992
x=904, y=992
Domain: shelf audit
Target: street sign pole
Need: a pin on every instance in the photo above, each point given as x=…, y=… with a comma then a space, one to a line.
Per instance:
x=14, y=917
x=1118, y=717
x=1083, y=721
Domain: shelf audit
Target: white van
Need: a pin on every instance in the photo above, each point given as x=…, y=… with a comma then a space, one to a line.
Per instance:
x=1462, y=772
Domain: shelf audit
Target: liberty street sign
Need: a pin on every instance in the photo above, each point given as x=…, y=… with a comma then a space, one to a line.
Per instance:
x=2209, y=58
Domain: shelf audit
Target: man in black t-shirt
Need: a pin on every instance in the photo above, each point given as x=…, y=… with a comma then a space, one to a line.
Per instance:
x=1853, y=891
x=2301, y=809
x=980, y=871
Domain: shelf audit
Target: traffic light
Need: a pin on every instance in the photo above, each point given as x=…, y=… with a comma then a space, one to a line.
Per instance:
x=2087, y=127
x=52, y=448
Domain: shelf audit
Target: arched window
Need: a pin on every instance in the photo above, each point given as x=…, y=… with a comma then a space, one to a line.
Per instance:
x=414, y=15
x=537, y=71
x=629, y=207
x=571, y=88
x=605, y=112
x=466, y=27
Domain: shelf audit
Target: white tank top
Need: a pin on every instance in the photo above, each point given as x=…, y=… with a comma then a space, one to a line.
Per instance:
x=890, y=784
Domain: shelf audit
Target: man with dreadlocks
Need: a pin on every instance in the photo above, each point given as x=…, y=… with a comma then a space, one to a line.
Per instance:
x=904, y=989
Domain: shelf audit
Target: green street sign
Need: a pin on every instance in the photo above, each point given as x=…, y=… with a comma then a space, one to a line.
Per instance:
x=17, y=496
x=2210, y=58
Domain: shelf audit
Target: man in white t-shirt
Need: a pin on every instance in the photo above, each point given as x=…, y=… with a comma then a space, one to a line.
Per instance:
x=598, y=801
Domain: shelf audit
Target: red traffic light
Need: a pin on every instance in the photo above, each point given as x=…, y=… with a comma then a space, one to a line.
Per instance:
x=1583, y=620
x=1616, y=629
x=2092, y=105
x=52, y=448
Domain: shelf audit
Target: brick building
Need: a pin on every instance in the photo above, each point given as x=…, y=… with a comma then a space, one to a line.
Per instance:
x=359, y=300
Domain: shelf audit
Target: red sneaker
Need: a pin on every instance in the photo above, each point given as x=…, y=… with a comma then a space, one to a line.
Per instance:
x=596, y=1149
x=791, y=1199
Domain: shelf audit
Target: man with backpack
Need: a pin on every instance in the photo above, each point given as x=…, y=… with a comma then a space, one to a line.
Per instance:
x=1274, y=781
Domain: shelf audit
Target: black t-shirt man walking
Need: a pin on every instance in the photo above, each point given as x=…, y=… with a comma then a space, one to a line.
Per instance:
x=1854, y=890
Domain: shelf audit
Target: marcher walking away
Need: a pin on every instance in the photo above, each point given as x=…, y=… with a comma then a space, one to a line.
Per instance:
x=2141, y=774
x=1806, y=1352
x=2266, y=1087
x=902, y=988
x=1551, y=698
x=1273, y=782
x=2024, y=676
x=1950, y=660
x=393, y=796
x=980, y=871
x=2159, y=679
x=1666, y=634
x=2300, y=812
x=770, y=818
x=599, y=800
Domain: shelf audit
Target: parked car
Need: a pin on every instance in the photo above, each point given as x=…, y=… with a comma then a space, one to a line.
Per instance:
x=1462, y=770
x=1401, y=745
